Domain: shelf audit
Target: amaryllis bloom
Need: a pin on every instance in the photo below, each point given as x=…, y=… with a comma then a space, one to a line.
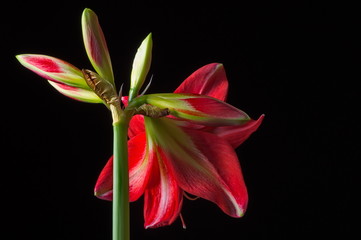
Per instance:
x=190, y=151
x=179, y=143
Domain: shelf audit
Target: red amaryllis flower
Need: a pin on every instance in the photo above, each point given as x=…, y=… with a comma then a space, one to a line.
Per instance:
x=190, y=151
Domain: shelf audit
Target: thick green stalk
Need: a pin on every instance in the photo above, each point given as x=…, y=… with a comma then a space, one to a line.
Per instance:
x=106, y=91
x=120, y=177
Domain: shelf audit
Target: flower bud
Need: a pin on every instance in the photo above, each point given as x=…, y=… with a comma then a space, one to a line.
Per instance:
x=141, y=65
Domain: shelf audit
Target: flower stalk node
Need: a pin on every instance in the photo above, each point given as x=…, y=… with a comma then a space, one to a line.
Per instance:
x=101, y=87
x=152, y=111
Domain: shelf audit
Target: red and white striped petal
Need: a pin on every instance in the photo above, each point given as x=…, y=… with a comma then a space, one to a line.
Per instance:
x=53, y=69
x=79, y=94
x=203, y=164
x=198, y=108
x=221, y=161
x=236, y=135
x=209, y=80
x=162, y=198
x=95, y=45
x=141, y=158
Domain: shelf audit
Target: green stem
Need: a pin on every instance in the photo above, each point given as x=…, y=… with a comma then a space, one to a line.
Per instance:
x=120, y=177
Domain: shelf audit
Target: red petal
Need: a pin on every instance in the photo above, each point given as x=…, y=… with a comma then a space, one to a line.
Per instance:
x=162, y=198
x=140, y=165
x=104, y=185
x=124, y=100
x=210, y=80
x=198, y=108
x=141, y=159
x=236, y=135
x=136, y=126
x=214, y=108
x=212, y=171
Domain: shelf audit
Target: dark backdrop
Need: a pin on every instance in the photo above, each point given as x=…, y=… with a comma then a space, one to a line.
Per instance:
x=290, y=61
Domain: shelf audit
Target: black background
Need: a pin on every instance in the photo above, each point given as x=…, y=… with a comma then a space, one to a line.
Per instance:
x=290, y=61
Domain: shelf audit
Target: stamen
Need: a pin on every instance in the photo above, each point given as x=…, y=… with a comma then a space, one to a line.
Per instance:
x=148, y=85
x=189, y=197
x=182, y=220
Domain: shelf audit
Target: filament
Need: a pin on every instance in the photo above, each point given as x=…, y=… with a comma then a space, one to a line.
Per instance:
x=189, y=197
x=182, y=220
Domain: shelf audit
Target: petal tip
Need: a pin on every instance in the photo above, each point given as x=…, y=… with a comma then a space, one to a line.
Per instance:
x=219, y=65
x=21, y=58
x=260, y=119
x=104, y=196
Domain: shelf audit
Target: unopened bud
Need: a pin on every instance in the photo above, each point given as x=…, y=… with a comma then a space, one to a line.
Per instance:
x=141, y=65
